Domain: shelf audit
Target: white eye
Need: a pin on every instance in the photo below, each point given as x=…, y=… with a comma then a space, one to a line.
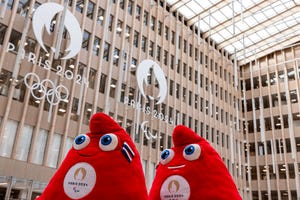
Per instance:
x=81, y=141
x=166, y=156
x=192, y=152
x=108, y=142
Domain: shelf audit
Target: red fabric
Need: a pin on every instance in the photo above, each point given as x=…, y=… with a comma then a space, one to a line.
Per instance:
x=207, y=176
x=116, y=178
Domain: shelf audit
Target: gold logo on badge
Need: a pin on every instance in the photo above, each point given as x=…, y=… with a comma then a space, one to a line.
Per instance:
x=173, y=186
x=80, y=174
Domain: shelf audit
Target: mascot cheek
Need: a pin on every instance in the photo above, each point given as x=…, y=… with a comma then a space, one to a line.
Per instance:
x=80, y=180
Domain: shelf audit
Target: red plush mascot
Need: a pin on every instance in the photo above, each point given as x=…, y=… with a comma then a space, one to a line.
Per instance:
x=192, y=170
x=103, y=164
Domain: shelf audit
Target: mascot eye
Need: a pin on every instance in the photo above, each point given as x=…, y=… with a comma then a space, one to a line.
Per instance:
x=108, y=142
x=166, y=156
x=81, y=141
x=192, y=152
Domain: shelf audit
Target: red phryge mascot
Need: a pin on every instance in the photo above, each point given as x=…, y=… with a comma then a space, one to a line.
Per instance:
x=103, y=164
x=192, y=170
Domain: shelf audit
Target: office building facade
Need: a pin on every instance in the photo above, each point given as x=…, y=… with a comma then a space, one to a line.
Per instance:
x=48, y=96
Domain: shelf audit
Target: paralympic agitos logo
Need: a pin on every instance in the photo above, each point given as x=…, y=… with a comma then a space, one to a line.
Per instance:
x=43, y=17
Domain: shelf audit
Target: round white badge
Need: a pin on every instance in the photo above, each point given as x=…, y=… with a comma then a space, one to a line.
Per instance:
x=175, y=187
x=80, y=180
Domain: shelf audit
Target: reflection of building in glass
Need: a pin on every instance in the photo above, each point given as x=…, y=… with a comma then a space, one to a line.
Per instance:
x=253, y=126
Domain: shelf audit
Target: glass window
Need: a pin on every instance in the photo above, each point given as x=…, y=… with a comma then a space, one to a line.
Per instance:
x=79, y=6
x=144, y=43
x=196, y=77
x=178, y=66
x=102, y=83
x=122, y=4
x=184, y=69
x=87, y=113
x=85, y=40
x=159, y=27
x=152, y=23
x=23, y=7
x=136, y=39
x=146, y=16
x=184, y=46
x=116, y=56
x=190, y=73
x=106, y=51
x=39, y=148
x=169, y=144
x=190, y=50
x=153, y=140
x=2, y=32
x=293, y=96
x=100, y=16
x=138, y=12
x=110, y=23
x=68, y=146
x=119, y=27
x=283, y=98
x=92, y=78
x=171, y=87
x=166, y=56
x=75, y=108
x=173, y=37
x=113, y=85
x=5, y=81
x=29, y=45
x=177, y=90
x=162, y=142
x=158, y=56
x=151, y=48
x=166, y=33
x=24, y=143
x=144, y=165
x=127, y=32
x=54, y=150
x=196, y=54
x=15, y=38
x=96, y=46
x=90, y=10
x=62, y=106
x=8, y=138
x=10, y=4
x=123, y=88
x=184, y=94
x=172, y=61
x=190, y=98
x=151, y=172
x=196, y=125
x=130, y=5
x=131, y=93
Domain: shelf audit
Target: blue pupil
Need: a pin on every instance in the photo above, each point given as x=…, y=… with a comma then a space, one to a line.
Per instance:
x=106, y=140
x=189, y=150
x=165, y=154
x=80, y=139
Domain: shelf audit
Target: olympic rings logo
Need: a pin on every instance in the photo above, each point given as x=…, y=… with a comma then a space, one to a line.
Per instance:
x=52, y=95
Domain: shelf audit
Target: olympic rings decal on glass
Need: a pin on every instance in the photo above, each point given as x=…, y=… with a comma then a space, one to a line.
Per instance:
x=53, y=95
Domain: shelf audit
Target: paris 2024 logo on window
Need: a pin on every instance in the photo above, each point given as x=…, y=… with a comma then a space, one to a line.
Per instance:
x=43, y=17
x=142, y=77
